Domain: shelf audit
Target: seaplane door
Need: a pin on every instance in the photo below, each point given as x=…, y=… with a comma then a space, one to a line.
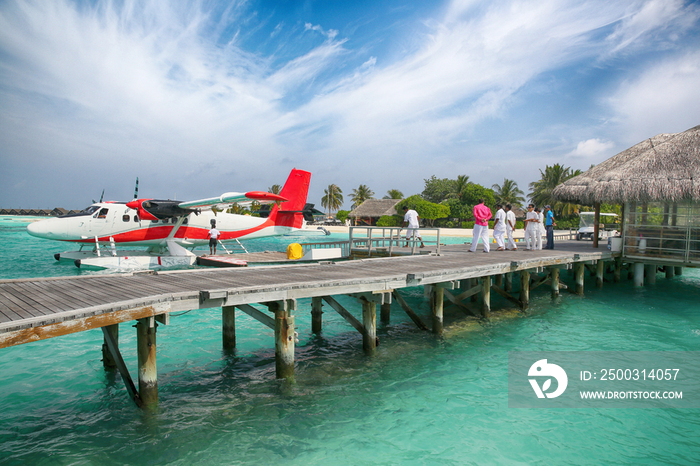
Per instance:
x=100, y=222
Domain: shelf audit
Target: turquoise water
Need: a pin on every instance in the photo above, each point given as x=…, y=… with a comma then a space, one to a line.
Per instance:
x=418, y=400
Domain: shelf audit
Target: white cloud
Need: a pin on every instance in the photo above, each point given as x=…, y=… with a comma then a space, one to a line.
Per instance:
x=664, y=98
x=592, y=148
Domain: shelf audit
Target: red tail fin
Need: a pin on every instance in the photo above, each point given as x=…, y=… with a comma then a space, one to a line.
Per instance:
x=296, y=189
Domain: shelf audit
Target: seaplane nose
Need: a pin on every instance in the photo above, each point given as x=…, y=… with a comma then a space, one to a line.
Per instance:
x=43, y=229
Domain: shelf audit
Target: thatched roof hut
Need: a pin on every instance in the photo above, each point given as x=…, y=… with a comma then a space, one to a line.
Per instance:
x=658, y=184
x=372, y=209
x=663, y=168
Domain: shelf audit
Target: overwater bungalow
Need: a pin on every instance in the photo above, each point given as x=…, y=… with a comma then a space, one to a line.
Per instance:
x=657, y=182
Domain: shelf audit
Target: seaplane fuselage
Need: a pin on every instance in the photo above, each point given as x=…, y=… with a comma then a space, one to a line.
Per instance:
x=152, y=222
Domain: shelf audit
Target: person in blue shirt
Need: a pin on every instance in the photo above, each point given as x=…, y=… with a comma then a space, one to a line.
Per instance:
x=549, y=225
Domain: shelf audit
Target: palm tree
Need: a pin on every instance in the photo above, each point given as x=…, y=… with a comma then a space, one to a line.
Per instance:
x=361, y=194
x=393, y=194
x=274, y=189
x=460, y=186
x=541, y=190
x=508, y=193
x=333, y=198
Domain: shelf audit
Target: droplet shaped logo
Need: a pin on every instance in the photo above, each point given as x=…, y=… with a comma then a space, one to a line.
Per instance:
x=542, y=369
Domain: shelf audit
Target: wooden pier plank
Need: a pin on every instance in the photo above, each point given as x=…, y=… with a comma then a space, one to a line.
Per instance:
x=91, y=295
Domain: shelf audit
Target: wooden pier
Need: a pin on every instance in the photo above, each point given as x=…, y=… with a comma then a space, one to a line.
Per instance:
x=37, y=309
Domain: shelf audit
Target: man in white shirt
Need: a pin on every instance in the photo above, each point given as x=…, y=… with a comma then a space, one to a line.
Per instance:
x=499, y=228
x=532, y=222
x=213, y=236
x=540, y=229
x=412, y=219
x=510, y=228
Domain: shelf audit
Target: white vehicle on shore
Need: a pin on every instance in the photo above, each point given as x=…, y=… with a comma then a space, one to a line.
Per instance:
x=609, y=224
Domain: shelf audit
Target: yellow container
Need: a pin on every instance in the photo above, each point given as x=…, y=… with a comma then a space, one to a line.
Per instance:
x=294, y=251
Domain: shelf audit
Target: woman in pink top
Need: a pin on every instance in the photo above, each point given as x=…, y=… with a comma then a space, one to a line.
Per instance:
x=482, y=214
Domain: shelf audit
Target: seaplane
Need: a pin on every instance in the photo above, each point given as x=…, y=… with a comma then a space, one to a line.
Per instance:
x=170, y=230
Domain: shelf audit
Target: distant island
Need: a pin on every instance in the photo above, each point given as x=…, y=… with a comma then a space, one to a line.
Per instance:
x=56, y=212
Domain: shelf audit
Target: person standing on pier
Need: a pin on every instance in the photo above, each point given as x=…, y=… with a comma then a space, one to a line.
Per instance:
x=549, y=226
x=532, y=221
x=540, y=229
x=482, y=215
x=213, y=236
x=412, y=219
x=499, y=228
x=510, y=227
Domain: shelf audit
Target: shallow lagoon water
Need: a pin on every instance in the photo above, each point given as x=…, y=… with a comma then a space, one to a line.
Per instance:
x=418, y=400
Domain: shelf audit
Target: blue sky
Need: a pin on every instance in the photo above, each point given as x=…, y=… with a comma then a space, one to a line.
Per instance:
x=201, y=97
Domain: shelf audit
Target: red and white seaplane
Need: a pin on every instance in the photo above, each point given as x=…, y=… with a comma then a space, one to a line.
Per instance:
x=170, y=229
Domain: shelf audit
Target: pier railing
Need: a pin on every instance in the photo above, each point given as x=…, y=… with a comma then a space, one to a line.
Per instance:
x=343, y=245
x=388, y=238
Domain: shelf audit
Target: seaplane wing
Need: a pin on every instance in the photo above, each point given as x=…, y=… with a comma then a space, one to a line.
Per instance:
x=230, y=198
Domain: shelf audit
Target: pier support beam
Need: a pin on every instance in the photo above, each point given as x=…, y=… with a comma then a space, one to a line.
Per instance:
x=651, y=273
x=554, y=277
x=600, y=273
x=284, y=338
x=108, y=360
x=486, y=297
x=228, y=327
x=146, y=349
x=524, y=288
x=579, y=269
x=509, y=282
x=678, y=271
x=617, y=271
x=498, y=280
x=369, y=321
x=638, y=274
x=437, y=295
x=385, y=313
x=670, y=271
x=316, y=314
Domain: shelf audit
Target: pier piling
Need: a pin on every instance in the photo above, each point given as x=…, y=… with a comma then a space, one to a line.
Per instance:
x=316, y=314
x=638, y=274
x=437, y=295
x=600, y=273
x=228, y=327
x=554, y=276
x=579, y=269
x=284, y=338
x=524, y=289
x=146, y=349
x=108, y=360
x=486, y=297
x=651, y=273
x=369, y=321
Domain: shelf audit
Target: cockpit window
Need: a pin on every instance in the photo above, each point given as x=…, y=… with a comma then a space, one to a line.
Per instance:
x=103, y=213
x=90, y=210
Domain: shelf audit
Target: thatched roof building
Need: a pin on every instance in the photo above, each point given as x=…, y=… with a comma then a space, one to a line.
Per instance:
x=372, y=209
x=658, y=184
x=663, y=168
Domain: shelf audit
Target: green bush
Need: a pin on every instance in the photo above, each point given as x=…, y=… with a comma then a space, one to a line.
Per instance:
x=390, y=221
x=342, y=215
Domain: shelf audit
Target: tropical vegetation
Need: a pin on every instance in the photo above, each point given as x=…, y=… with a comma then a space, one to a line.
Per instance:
x=541, y=190
x=361, y=194
x=332, y=198
x=508, y=193
x=393, y=194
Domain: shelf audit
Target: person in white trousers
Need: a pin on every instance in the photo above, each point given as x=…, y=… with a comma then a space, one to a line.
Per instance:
x=482, y=215
x=499, y=228
x=540, y=229
x=532, y=221
x=510, y=227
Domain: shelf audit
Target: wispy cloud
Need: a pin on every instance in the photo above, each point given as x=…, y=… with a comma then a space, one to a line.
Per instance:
x=172, y=90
